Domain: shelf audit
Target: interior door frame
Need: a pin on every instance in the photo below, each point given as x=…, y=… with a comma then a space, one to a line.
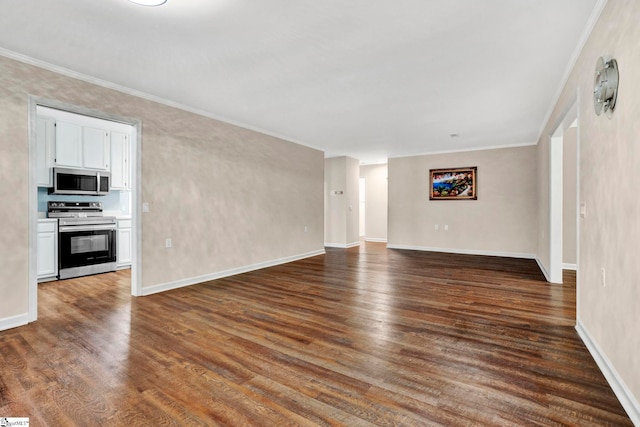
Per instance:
x=556, y=195
x=136, y=273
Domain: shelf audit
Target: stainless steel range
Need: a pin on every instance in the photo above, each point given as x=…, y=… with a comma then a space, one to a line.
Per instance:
x=86, y=238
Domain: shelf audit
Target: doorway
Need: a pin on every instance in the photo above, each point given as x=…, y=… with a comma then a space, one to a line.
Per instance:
x=563, y=196
x=135, y=162
x=362, y=192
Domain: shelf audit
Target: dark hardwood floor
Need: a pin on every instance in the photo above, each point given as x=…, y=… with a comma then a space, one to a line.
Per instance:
x=357, y=337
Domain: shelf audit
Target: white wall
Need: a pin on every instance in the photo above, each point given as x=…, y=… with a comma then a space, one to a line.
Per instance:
x=503, y=221
x=608, y=316
x=376, y=202
x=335, y=205
x=341, y=211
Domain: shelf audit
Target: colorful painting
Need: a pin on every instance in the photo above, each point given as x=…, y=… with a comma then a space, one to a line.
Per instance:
x=453, y=184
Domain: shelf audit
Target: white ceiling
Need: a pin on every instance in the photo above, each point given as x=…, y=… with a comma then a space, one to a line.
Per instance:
x=370, y=79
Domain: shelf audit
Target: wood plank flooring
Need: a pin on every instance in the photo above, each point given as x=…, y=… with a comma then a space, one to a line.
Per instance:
x=357, y=337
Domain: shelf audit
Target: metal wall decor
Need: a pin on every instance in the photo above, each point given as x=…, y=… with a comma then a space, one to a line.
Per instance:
x=605, y=86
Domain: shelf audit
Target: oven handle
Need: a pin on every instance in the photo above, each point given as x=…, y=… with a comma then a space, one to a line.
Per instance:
x=72, y=228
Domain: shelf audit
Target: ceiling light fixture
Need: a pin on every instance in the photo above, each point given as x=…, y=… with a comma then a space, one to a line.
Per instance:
x=149, y=2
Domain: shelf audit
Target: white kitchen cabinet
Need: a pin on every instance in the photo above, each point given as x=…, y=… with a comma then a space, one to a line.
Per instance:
x=120, y=172
x=47, y=249
x=81, y=146
x=124, y=240
x=45, y=150
x=95, y=148
x=68, y=145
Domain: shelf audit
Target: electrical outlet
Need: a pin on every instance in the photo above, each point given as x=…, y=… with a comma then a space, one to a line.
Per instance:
x=145, y=207
x=436, y=227
x=167, y=243
x=306, y=228
x=446, y=227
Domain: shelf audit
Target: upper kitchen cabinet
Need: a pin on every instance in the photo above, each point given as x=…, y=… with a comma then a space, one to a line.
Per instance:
x=68, y=145
x=95, y=148
x=45, y=140
x=120, y=171
x=81, y=146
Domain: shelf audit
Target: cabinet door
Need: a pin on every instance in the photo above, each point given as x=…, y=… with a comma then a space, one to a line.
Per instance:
x=45, y=137
x=46, y=263
x=68, y=145
x=95, y=148
x=124, y=246
x=119, y=161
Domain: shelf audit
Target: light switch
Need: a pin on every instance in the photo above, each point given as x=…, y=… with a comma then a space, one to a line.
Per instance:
x=145, y=207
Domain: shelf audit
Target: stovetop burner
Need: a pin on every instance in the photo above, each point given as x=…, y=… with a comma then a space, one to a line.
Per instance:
x=78, y=213
x=74, y=209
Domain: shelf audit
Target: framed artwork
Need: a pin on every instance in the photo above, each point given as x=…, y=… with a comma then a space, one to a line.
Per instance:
x=453, y=184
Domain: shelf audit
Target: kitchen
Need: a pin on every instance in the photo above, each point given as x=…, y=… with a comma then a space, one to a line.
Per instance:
x=84, y=194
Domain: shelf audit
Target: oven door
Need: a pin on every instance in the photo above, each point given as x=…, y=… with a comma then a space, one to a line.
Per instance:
x=80, y=246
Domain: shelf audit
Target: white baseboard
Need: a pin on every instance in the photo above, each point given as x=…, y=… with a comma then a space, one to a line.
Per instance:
x=543, y=269
x=463, y=251
x=375, y=239
x=14, y=321
x=341, y=245
x=225, y=273
x=622, y=392
x=567, y=266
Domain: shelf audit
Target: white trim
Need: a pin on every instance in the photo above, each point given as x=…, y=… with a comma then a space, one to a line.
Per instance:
x=543, y=269
x=466, y=150
x=225, y=273
x=620, y=389
x=463, y=251
x=567, y=266
x=139, y=94
x=375, y=239
x=14, y=321
x=342, y=245
x=555, y=206
x=591, y=23
x=335, y=245
x=578, y=218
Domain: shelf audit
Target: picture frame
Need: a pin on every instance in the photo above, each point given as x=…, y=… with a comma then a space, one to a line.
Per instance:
x=453, y=183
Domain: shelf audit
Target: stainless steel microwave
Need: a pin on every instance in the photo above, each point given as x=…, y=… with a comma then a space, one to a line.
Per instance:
x=81, y=181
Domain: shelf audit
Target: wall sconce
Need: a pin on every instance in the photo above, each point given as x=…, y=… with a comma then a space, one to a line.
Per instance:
x=605, y=86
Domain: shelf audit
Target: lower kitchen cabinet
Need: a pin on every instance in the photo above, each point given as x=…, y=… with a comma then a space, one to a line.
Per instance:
x=124, y=240
x=47, y=248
